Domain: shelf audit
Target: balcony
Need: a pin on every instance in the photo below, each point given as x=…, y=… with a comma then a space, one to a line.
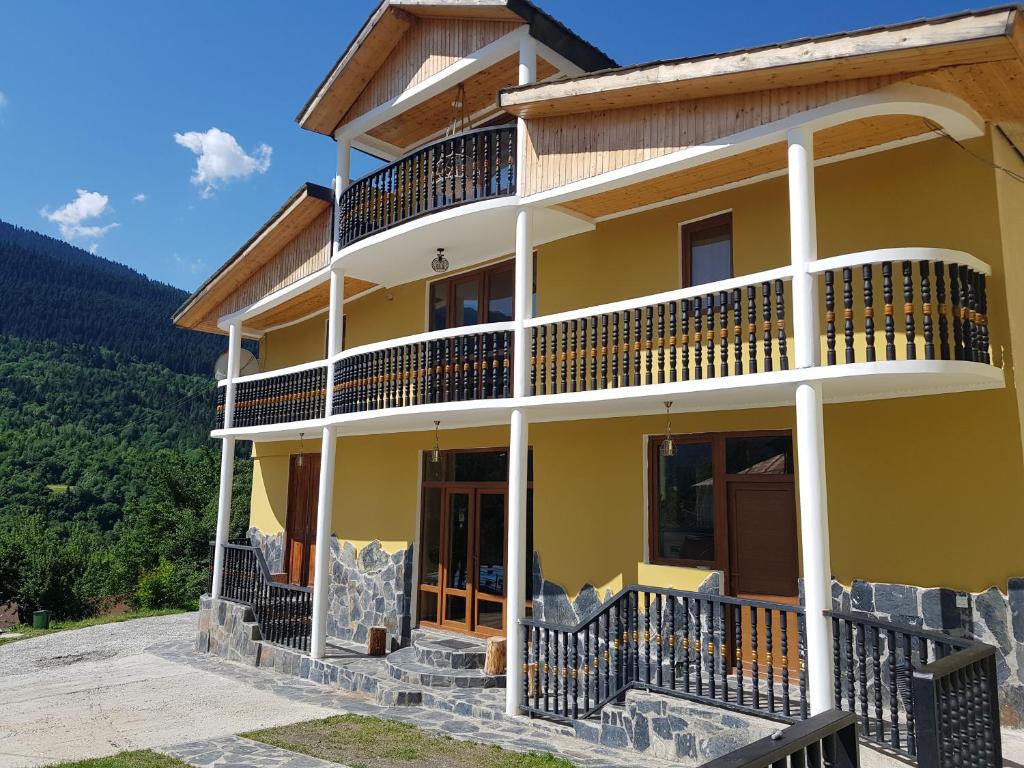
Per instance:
x=469, y=167
x=716, y=346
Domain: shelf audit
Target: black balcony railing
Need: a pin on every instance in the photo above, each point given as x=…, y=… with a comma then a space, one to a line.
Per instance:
x=288, y=397
x=470, y=366
x=471, y=166
x=828, y=739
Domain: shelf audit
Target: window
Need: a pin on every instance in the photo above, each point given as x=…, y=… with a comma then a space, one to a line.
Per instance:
x=688, y=491
x=483, y=296
x=707, y=250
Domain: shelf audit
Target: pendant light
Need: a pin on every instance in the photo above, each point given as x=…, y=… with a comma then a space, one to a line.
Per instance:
x=435, y=455
x=439, y=263
x=668, y=447
x=302, y=453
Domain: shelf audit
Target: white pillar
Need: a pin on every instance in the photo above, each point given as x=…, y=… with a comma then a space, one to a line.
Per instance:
x=810, y=425
x=814, y=544
x=803, y=243
x=335, y=329
x=515, y=585
x=227, y=459
x=322, y=560
x=341, y=183
x=527, y=74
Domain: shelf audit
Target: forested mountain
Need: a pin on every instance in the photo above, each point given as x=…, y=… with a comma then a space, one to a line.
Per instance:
x=55, y=291
x=108, y=479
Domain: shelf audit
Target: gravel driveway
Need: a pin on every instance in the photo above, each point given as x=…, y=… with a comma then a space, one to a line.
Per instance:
x=96, y=691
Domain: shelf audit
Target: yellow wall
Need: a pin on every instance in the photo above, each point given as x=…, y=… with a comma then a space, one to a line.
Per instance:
x=294, y=344
x=922, y=490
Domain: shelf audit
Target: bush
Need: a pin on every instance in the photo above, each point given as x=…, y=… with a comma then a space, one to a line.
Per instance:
x=171, y=585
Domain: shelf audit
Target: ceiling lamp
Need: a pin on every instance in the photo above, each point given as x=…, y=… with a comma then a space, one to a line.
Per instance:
x=440, y=263
x=301, y=460
x=668, y=446
x=435, y=455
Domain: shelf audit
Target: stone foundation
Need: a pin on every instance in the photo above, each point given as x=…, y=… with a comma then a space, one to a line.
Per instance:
x=990, y=616
x=272, y=546
x=229, y=630
x=368, y=589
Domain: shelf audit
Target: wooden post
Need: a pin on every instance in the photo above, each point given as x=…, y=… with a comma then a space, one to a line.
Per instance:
x=377, y=641
x=494, y=660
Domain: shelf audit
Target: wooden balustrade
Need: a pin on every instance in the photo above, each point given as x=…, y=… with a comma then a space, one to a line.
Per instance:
x=877, y=666
x=283, y=611
x=961, y=325
x=289, y=397
x=742, y=654
x=471, y=166
x=471, y=366
x=721, y=333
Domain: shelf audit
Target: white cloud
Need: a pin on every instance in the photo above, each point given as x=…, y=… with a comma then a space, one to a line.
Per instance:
x=221, y=159
x=72, y=218
x=140, y=198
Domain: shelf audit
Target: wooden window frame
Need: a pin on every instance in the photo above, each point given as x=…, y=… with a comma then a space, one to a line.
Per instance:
x=686, y=233
x=720, y=500
x=482, y=276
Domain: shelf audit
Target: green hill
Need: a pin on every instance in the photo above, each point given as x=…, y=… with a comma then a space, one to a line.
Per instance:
x=108, y=480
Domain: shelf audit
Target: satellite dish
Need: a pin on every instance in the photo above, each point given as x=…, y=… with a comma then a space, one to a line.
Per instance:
x=247, y=364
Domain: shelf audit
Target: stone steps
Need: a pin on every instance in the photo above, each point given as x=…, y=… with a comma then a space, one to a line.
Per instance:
x=404, y=665
x=446, y=651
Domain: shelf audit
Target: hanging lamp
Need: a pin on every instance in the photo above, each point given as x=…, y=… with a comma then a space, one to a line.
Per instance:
x=668, y=446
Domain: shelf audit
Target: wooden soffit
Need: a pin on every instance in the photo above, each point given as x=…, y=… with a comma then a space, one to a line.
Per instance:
x=316, y=299
x=830, y=142
x=379, y=38
x=964, y=39
x=200, y=310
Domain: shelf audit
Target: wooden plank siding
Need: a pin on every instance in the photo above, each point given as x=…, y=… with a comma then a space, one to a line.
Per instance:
x=429, y=46
x=564, y=149
x=308, y=252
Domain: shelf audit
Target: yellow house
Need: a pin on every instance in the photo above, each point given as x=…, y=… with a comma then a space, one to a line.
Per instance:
x=598, y=348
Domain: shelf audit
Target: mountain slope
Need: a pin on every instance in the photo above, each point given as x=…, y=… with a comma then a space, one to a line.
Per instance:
x=57, y=292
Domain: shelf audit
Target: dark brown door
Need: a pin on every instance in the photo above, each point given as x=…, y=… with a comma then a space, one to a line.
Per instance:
x=762, y=539
x=300, y=528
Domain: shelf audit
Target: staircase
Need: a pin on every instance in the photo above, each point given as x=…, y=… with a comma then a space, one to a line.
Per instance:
x=440, y=660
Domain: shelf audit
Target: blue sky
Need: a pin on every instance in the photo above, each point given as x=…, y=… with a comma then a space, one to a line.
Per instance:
x=105, y=108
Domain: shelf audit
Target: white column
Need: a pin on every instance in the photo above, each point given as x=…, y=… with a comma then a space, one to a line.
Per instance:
x=322, y=561
x=227, y=459
x=803, y=243
x=810, y=425
x=341, y=183
x=519, y=438
x=335, y=328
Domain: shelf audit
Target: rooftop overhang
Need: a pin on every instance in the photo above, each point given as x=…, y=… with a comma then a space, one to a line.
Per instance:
x=915, y=47
x=381, y=33
x=304, y=205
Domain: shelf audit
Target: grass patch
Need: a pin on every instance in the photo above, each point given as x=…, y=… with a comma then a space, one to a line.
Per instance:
x=142, y=759
x=369, y=742
x=26, y=631
x=58, y=489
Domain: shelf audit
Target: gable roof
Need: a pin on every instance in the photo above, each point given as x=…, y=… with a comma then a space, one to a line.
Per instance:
x=916, y=46
x=389, y=22
x=304, y=205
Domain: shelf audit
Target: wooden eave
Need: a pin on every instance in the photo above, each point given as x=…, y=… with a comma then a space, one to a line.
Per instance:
x=324, y=110
x=308, y=202
x=969, y=38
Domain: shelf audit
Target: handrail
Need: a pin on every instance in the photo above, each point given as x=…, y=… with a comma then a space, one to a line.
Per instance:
x=417, y=338
x=832, y=735
x=895, y=255
x=265, y=568
x=693, y=291
x=299, y=368
x=871, y=620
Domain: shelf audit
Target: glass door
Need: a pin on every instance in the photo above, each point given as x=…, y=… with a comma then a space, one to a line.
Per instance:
x=491, y=551
x=457, y=585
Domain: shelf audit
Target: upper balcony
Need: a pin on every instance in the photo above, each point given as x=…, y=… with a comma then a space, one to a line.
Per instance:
x=465, y=168
x=896, y=322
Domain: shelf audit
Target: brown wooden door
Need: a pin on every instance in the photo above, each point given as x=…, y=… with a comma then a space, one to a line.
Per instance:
x=300, y=528
x=457, y=558
x=762, y=539
x=489, y=560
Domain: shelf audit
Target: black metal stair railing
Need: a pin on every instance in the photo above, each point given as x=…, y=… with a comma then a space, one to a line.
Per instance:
x=828, y=739
x=746, y=655
x=925, y=695
x=284, y=612
x=471, y=166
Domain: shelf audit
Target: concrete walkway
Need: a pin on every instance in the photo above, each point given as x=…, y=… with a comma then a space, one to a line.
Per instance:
x=96, y=691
